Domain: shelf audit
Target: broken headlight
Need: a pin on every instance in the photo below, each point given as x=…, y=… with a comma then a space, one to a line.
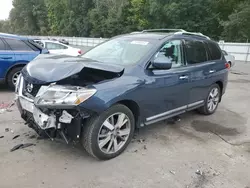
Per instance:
x=63, y=95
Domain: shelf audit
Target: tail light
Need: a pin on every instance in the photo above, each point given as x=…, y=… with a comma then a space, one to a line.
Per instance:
x=227, y=65
x=79, y=52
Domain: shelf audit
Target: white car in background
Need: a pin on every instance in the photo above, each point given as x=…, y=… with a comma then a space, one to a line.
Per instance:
x=230, y=58
x=56, y=47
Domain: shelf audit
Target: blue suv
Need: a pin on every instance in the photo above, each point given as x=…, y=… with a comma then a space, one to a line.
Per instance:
x=128, y=82
x=15, y=53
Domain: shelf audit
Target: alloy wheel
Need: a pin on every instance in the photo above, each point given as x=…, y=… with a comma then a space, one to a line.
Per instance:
x=15, y=77
x=114, y=133
x=213, y=99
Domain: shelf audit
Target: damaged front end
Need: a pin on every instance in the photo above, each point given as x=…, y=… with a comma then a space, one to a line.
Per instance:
x=54, y=111
x=52, y=106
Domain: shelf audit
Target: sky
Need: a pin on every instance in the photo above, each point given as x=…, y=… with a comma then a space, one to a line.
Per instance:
x=5, y=7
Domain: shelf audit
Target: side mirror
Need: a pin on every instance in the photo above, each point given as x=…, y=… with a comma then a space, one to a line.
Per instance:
x=162, y=63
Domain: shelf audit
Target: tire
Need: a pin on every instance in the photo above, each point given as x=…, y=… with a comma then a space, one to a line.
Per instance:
x=93, y=128
x=205, y=110
x=10, y=76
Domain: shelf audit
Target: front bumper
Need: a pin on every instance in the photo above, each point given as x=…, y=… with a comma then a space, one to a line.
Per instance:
x=50, y=122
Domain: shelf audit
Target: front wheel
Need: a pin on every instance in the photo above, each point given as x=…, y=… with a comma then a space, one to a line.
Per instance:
x=107, y=136
x=212, y=100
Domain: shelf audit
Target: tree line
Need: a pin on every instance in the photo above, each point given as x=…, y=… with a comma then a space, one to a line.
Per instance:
x=220, y=19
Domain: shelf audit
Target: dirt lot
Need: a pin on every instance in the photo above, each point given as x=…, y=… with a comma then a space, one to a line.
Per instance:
x=161, y=155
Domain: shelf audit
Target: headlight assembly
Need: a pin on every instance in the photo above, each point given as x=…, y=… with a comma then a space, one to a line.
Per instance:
x=63, y=95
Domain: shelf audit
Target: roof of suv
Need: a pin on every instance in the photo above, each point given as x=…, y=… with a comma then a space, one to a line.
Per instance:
x=6, y=35
x=160, y=34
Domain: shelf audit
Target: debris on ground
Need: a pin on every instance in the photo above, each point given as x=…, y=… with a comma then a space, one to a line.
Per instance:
x=145, y=147
x=28, y=145
x=16, y=147
x=216, y=174
x=230, y=156
x=135, y=151
x=6, y=107
x=32, y=136
x=199, y=172
x=7, y=129
x=172, y=172
x=141, y=140
x=15, y=137
x=238, y=73
x=11, y=130
x=1, y=136
x=174, y=120
x=2, y=111
x=21, y=146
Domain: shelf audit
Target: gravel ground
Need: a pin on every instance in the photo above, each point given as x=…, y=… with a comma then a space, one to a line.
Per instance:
x=197, y=152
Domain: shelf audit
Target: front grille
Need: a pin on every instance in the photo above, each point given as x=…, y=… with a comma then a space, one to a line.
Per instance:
x=29, y=91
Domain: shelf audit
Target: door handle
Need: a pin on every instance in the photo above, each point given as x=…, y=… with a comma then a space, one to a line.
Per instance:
x=183, y=77
x=5, y=57
x=212, y=71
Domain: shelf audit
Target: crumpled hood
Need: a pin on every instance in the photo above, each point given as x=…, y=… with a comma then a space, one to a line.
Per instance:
x=49, y=68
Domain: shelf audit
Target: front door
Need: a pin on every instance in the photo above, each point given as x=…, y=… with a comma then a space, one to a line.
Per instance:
x=169, y=89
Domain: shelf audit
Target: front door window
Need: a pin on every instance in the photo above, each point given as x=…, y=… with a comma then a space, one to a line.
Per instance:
x=173, y=51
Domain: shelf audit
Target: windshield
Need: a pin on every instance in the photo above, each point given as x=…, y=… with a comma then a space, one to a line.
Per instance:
x=123, y=51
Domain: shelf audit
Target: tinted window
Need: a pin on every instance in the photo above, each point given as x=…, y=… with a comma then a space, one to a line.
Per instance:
x=196, y=52
x=55, y=46
x=172, y=50
x=2, y=45
x=18, y=45
x=214, y=50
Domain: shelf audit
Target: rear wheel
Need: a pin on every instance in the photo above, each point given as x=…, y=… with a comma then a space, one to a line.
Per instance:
x=12, y=77
x=107, y=136
x=212, y=100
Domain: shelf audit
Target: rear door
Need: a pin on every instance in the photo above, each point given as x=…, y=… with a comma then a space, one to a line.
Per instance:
x=218, y=70
x=7, y=58
x=23, y=52
x=201, y=70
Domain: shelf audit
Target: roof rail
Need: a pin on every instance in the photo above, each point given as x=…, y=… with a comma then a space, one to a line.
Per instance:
x=175, y=31
x=163, y=30
x=192, y=33
x=135, y=32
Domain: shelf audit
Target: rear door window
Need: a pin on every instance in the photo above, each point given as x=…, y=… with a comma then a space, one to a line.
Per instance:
x=18, y=45
x=214, y=49
x=195, y=52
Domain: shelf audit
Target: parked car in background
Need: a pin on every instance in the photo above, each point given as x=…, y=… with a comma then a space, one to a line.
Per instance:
x=56, y=47
x=125, y=83
x=64, y=41
x=15, y=53
x=230, y=58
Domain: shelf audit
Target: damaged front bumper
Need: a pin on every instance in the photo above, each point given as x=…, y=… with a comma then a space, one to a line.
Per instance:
x=64, y=121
